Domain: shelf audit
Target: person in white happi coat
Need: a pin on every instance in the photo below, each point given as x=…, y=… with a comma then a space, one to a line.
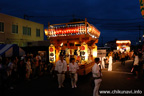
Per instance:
x=61, y=68
x=97, y=75
x=102, y=59
x=136, y=64
x=110, y=63
x=73, y=68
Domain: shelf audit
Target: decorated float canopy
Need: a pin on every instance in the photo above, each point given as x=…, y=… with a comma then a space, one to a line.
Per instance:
x=72, y=33
x=72, y=38
x=123, y=45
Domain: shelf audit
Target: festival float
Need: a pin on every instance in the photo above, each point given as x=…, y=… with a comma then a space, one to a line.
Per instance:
x=123, y=45
x=74, y=40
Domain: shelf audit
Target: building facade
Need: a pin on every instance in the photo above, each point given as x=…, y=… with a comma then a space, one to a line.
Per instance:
x=19, y=31
x=142, y=7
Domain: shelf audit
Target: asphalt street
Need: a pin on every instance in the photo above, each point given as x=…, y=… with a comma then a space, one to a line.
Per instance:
x=119, y=79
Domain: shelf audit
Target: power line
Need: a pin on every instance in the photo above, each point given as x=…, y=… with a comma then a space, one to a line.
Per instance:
x=109, y=19
x=127, y=19
x=127, y=25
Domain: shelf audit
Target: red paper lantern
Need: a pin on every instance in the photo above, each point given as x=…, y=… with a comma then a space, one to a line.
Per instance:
x=72, y=29
x=77, y=29
x=51, y=49
x=61, y=31
x=82, y=48
x=69, y=30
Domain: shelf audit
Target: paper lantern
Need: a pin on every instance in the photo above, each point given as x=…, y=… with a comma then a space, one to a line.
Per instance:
x=82, y=48
x=51, y=49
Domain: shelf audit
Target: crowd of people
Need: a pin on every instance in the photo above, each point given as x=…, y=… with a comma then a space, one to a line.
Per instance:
x=137, y=57
x=28, y=67
x=121, y=56
x=137, y=66
x=18, y=69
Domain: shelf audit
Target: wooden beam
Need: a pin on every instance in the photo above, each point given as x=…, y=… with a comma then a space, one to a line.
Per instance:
x=86, y=25
x=68, y=37
x=96, y=41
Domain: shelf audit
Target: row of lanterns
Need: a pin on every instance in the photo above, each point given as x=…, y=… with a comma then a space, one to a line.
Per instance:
x=66, y=30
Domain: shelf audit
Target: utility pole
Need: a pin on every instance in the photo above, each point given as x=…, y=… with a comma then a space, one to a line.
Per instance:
x=25, y=16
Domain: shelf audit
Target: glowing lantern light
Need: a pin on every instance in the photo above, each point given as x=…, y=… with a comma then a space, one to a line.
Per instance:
x=52, y=53
x=94, y=51
x=51, y=49
x=46, y=32
x=123, y=44
x=82, y=48
x=66, y=30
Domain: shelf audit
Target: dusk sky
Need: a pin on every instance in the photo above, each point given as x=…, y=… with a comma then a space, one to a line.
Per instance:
x=119, y=19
